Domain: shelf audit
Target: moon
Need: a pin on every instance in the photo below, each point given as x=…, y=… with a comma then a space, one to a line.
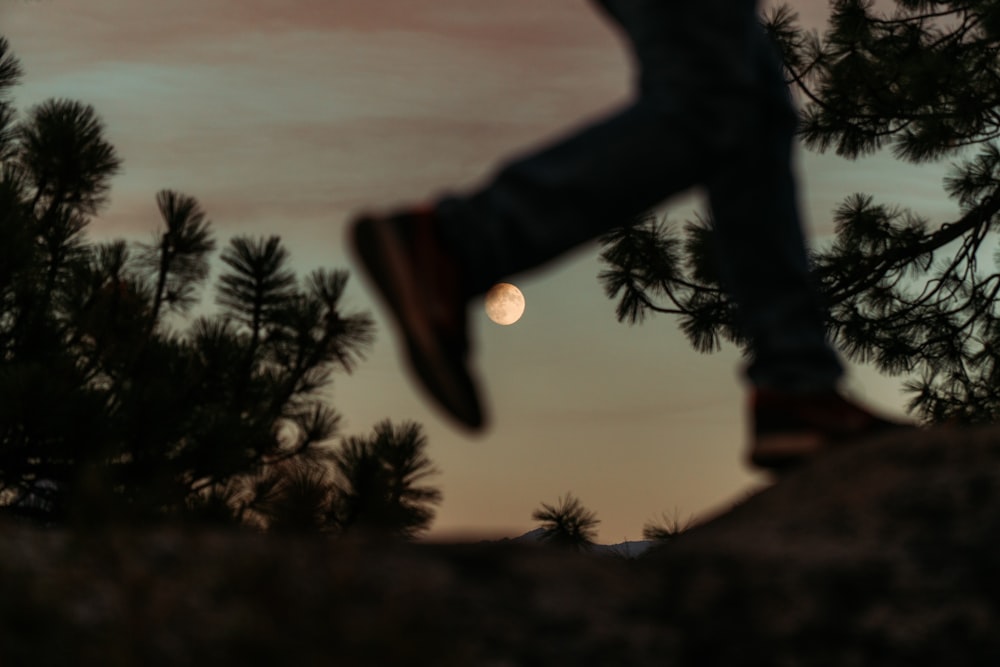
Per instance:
x=504, y=303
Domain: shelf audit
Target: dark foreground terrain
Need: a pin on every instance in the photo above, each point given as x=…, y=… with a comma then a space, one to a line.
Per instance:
x=884, y=554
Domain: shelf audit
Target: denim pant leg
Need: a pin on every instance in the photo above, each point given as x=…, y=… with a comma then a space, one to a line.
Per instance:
x=702, y=91
x=556, y=197
x=762, y=252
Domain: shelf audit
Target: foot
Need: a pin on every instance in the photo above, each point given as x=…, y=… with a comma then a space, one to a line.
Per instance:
x=791, y=428
x=422, y=286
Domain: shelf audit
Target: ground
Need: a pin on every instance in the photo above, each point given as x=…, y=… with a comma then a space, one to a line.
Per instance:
x=883, y=553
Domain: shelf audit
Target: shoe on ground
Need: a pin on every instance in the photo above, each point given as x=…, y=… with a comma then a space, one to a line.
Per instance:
x=792, y=428
x=421, y=284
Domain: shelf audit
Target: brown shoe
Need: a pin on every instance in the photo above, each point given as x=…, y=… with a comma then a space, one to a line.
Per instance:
x=791, y=428
x=421, y=285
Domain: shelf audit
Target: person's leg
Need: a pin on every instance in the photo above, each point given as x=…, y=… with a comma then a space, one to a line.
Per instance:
x=695, y=79
x=707, y=112
x=796, y=409
x=762, y=251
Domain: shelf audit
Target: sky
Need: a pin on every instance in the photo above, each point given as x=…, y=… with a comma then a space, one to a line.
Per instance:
x=289, y=118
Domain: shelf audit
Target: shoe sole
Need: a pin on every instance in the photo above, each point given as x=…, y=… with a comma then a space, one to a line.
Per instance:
x=380, y=252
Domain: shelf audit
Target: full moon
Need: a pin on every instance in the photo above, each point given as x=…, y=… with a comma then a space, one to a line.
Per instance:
x=504, y=303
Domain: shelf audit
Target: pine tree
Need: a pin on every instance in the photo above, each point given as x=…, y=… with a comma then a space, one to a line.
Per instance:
x=567, y=524
x=112, y=401
x=666, y=528
x=380, y=482
x=911, y=296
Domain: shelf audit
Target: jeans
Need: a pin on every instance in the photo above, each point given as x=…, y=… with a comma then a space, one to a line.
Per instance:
x=711, y=109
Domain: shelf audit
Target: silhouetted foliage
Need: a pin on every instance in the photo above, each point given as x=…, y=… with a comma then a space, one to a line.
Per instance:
x=909, y=295
x=10, y=75
x=379, y=480
x=295, y=496
x=177, y=260
x=105, y=408
x=567, y=524
x=665, y=528
x=367, y=485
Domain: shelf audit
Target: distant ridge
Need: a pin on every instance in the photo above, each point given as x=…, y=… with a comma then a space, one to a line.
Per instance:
x=626, y=549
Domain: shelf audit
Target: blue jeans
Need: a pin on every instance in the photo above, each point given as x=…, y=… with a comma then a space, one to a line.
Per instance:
x=712, y=109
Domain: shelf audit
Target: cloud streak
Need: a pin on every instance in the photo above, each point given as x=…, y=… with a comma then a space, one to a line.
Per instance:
x=321, y=104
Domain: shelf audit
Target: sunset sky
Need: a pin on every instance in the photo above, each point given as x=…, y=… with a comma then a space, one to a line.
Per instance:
x=288, y=117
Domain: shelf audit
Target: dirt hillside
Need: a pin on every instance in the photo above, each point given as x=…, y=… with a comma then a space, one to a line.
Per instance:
x=882, y=554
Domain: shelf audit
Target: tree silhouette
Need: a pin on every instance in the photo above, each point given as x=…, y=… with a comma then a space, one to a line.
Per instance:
x=294, y=496
x=105, y=408
x=567, y=524
x=909, y=295
x=10, y=76
x=258, y=283
x=379, y=480
x=68, y=161
x=371, y=486
x=177, y=260
x=665, y=529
